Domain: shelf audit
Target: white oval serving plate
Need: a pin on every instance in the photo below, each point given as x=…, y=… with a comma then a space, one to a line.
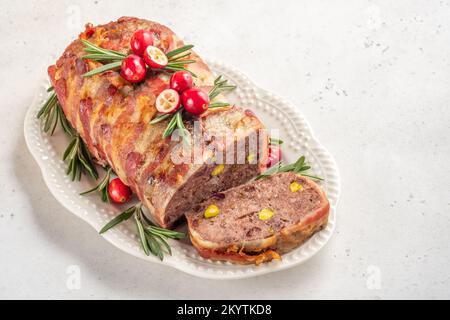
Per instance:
x=273, y=111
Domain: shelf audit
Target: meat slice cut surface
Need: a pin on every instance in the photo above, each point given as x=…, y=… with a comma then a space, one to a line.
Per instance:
x=257, y=221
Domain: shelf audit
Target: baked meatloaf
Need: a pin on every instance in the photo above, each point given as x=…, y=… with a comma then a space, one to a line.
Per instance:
x=258, y=221
x=112, y=117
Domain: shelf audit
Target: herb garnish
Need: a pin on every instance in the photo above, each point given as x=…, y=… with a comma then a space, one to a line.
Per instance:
x=176, y=122
x=176, y=119
x=76, y=153
x=114, y=58
x=175, y=59
x=275, y=142
x=52, y=113
x=100, y=54
x=102, y=187
x=153, y=239
x=219, y=87
x=79, y=158
x=298, y=167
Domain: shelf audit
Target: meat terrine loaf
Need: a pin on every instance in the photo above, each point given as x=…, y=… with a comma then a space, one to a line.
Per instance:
x=258, y=221
x=113, y=118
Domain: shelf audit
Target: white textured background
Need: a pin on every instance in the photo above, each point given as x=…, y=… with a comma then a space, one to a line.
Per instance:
x=373, y=79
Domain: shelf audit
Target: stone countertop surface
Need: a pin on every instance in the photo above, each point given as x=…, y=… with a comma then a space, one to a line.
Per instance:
x=371, y=77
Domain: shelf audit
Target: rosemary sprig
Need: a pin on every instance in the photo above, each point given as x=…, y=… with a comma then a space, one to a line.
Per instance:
x=184, y=55
x=172, y=55
x=171, y=126
x=176, y=62
x=157, y=237
x=219, y=87
x=218, y=105
x=97, y=53
x=79, y=158
x=91, y=48
x=171, y=68
x=103, y=68
x=63, y=121
x=182, y=129
x=127, y=214
x=100, y=57
x=176, y=122
x=275, y=142
x=76, y=153
x=298, y=167
x=141, y=232
x=153, y=239
x=160, y=118
x=52, y=113
x=102, y=187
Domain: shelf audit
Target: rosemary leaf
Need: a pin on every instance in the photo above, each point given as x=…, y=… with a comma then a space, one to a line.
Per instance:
x=187, y=54
x=160, y=118
x=102, y=187
x=105, y=67
x=274, y=141
x=101, y=57
x=163, y=241
x=219, y=87
x=141, y=233
x=299, y=164
x=64, y=122
x=79, y=159
x=86, y=159
x=178, y=68
x=50, y=120
x=69, y=148
x=119, y=219
x=217, y=80
x=180, y=125
x=218, y=105
x=50, y=114
x=166, y=232
x=79, y=171
x=56, y=119
x=48, y=105
x=105, y=195
x=180, y=62
x=154, y=246
x=182, y=49
x=312, y=177
x=90, y=47
x=170, y=127
x=177, y=123
x=89, y=191
x=179, y=120
x=153, y=239
x=298, y=167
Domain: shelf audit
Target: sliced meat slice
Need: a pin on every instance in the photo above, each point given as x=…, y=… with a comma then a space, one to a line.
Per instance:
x=258, y=221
